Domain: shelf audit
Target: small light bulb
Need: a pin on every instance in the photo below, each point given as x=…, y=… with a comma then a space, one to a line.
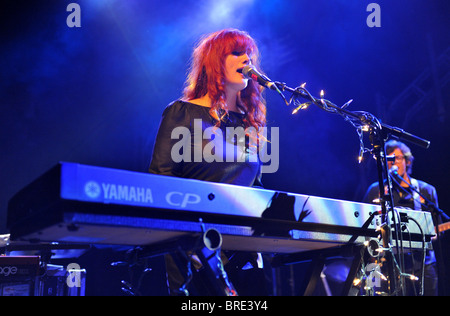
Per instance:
x=356, y=282
x=347, y=104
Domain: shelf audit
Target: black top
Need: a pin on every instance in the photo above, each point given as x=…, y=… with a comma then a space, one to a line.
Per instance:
x=188, y=146
x=404, y=197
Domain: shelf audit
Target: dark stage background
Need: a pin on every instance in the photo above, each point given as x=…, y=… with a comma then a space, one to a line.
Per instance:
x=94, y=94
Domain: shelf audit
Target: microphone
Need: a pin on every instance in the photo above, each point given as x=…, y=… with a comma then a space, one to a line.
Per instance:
x=394, y=170
x=252, y=73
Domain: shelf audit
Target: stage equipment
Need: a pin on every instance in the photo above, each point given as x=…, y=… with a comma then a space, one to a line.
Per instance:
x=95, y=205
x=25, y=269
x=378, y=134
x=19, y=276
x=438, y=216
x=74, y=203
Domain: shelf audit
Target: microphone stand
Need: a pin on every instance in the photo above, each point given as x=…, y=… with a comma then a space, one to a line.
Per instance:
x=361, y=117
x=379, y=133
x=436, y=214
x=429, y=205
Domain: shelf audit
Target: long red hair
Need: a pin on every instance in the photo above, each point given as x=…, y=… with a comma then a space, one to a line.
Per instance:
x=207, y=75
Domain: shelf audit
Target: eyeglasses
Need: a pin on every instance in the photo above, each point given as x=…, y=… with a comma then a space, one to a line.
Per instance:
x=394, y=158
x=399, y=158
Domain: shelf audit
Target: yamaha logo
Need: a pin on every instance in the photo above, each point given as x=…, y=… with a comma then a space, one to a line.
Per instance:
x=117, y=192
x=92, y=189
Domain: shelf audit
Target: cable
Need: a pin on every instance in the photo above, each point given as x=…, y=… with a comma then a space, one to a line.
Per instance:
x=423, y=256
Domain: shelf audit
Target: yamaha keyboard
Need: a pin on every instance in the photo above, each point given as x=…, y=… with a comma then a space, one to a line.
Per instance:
x=77, y=203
